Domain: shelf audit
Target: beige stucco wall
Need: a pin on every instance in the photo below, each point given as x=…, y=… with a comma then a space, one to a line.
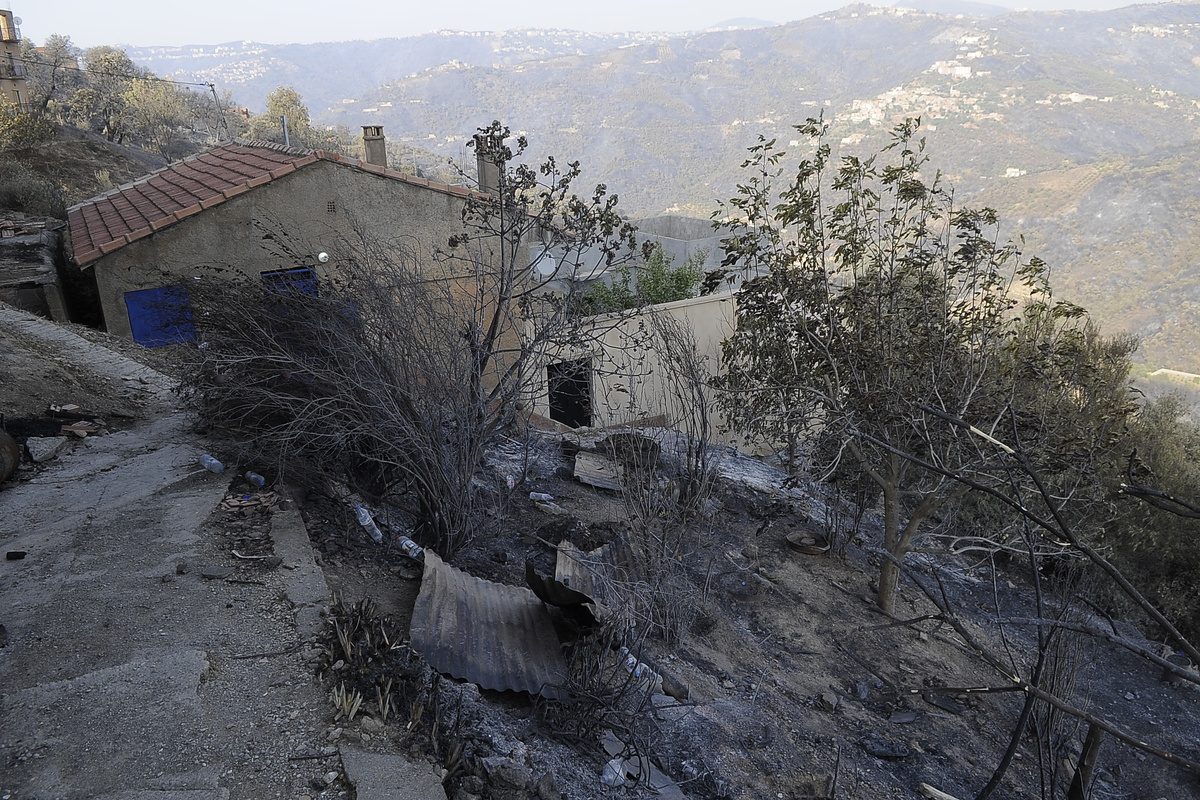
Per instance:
x=629, y=382
x=294, y=209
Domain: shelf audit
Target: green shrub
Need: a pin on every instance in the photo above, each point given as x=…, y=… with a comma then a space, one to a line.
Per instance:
x=18, y=129
x=22, y=189
x=657, y=282
x=1157, y=550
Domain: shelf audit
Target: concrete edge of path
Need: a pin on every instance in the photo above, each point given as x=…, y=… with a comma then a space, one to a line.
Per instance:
x=305, y=582
x=382, y=776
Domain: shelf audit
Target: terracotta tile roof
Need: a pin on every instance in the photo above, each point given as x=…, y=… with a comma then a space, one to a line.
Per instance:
x=105, y=223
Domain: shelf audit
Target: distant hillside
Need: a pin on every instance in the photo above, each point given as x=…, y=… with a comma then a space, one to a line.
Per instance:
x=1074, y=124
x=328, y=73
x=1081, y=128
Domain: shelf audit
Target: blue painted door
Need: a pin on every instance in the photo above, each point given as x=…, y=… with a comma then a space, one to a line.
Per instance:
x=159, y=317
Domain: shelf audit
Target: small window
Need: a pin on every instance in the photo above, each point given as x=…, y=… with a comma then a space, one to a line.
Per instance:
x=159, y=317
x=301, y=280
x=570, y=385
x=331, y=206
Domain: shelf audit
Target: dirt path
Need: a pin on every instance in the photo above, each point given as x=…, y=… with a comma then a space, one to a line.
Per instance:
x=128, y=673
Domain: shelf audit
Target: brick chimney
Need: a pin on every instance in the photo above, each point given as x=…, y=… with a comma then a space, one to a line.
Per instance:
x=374, y=145
x=489, y=171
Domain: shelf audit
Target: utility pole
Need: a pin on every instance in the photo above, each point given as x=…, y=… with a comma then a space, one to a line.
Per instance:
x=287, y=140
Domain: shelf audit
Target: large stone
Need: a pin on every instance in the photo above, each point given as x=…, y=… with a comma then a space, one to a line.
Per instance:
x=506, y=774
x=379, y=776
x=44, y=448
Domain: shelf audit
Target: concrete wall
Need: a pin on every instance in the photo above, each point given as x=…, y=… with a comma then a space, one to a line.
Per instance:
x=293, y=209
x=629, y=383
x=683, y=237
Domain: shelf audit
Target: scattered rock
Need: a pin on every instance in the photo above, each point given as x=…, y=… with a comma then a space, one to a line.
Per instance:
x=215, y=573
x=904, y=717
x=552, y=508
x=674, y=687
x=371, y=725
x=945, y=702
x=728, y=684
x=506, y=775
x=44, y=448
x=378, y=776
x=272, y=562
x=546, y=790
x=472, y=784
x=862, y=691
x=181, y=568
x=3, y=636
x=829, y=701
x=884, y=748
x=1130, y=696
x=668, y=708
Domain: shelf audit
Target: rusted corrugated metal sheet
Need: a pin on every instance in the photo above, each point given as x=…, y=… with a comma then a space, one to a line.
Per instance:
x=499, y=637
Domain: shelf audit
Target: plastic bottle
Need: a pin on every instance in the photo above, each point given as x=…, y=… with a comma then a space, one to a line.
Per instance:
x=255, y=478
x=411, y=549
x=639, y=669
x=368, y=523
x=614, y=773
x=211, y=464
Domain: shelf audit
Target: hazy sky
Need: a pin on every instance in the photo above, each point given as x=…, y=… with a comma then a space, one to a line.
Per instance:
x=150, y=22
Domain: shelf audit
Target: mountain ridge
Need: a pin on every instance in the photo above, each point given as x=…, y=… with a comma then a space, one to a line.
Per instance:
x=1069, y=123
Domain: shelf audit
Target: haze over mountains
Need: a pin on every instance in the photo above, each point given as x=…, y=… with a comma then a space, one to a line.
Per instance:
x=1082, y=129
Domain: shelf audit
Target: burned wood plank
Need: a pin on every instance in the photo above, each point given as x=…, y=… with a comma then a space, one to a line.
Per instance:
x=597, y=470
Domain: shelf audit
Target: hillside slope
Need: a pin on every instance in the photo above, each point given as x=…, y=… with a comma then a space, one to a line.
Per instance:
x=327, y=73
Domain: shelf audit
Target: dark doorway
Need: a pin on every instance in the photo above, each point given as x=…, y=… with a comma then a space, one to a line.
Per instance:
x=570, y=384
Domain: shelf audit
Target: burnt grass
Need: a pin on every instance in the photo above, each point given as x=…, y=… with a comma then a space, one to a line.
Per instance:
x=795, y=677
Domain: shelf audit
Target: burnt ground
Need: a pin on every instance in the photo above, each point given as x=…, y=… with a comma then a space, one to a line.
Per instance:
x=791, y=676
x=794, y=674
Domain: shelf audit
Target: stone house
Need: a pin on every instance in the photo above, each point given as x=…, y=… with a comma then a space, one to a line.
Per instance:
x=229, y=208
x=616, y=376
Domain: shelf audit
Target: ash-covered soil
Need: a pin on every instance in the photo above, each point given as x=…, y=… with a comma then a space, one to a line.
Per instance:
x=796, y=679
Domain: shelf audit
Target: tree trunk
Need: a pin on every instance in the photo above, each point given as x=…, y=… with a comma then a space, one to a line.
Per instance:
x=889, y=571
x=1082, y=782
x=889, y=581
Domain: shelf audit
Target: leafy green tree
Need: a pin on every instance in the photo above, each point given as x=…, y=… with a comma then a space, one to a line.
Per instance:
x=102, y=104
x=657, y=281
x=51, y=71
x=879, y=306
x=285, y=101
x=154, y=110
